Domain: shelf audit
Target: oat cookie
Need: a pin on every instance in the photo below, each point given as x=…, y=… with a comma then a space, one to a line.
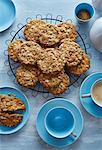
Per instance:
x=73, y=52
x=62, y=87
x=49, y=80
x=27, y=76
x=49, y=35
x=11, y=103
x=13, y=48
x=28, y=53
x=51, y=61
x=82, y=67
x=33, y=29
x=67, y=30
x=10, y=120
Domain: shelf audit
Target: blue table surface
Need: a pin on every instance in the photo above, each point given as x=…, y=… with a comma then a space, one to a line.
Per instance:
x=27, y=137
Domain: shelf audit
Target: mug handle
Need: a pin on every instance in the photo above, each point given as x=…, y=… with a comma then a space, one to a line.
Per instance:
x=73, y=134
x=86, y=95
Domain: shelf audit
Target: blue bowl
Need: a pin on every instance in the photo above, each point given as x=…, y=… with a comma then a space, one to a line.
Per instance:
x=85, y=6
x=7, y=15
x=59, y=122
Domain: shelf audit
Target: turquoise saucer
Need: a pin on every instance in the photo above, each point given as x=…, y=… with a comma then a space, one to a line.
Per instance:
x=11, y=90
x=7, y=14
x=88, y=103
x=41, y=128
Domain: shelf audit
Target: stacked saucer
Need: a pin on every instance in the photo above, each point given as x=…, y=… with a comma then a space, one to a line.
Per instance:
x=59, y=122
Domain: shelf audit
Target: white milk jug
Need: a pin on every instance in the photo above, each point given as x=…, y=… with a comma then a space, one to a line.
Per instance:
x=97, y=4
x=96, y=34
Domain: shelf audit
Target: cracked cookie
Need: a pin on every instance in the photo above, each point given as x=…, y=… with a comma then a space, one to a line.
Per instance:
x=11, y=103
x=10, y=120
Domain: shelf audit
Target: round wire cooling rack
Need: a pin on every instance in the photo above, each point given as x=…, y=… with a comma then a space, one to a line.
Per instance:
x=74, y=80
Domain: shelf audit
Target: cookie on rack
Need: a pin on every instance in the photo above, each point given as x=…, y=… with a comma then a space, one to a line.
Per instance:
x=67, y=30
x=10, y=120
x=62, y=87
x=29, y=53
x=51, y=61
x=32, y=29
x=13, y=49
x=73, y=52
x=49, y=35
x=11, y=103
x=49, y=80
x=27, y=76
x=82, y=67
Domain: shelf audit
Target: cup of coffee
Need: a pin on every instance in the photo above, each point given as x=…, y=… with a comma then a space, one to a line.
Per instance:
x=59, y=122
x=96, y=92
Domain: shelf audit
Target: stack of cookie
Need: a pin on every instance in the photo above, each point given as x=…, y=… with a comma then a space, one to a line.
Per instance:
x=44, y=53
x=9, y=105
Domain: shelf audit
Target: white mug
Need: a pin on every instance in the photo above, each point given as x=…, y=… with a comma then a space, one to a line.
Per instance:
x=97, y=4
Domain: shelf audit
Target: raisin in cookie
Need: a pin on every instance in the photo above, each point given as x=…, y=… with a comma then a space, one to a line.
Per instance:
x=49, y=80
x=51, y=61
x=67, y=30
x=82, y=67
x=10, y=120
x=62, y=87
x=29, y=52
x=33, y=29
x=13, y=49
x=11, y=103
x=27, y=76
x=72, y=51
x=49, y=35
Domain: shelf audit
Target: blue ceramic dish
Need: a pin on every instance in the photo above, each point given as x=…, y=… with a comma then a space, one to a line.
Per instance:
x=87, y=102
x=62, y=142
x=59, y=122
x=11, y=90
x=7, y=14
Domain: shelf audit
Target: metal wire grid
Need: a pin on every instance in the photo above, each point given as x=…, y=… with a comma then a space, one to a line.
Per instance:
x=75, y=80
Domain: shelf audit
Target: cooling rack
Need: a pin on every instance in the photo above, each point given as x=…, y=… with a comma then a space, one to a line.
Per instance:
x=75, y=80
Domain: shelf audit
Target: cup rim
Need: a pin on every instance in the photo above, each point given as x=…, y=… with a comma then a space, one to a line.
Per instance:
x=98, y=80
x=81, y=20
x=64, y=136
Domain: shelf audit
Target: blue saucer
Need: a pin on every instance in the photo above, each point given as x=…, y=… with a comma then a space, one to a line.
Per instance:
x=87, y=103
x=40, y=122
x=10, y=90
x=7, y=14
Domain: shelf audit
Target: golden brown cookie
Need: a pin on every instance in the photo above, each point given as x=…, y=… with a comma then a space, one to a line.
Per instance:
x=13, y=49
x=51, y=61
x=72, y=51
x=29, y=52
x=82, y=67
x=11, y=103
x=33, y=29
x=67, y=30
x=27, y=76
x=49, y=35
x=10, y=120
x=62, y=87
x=49, y=80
